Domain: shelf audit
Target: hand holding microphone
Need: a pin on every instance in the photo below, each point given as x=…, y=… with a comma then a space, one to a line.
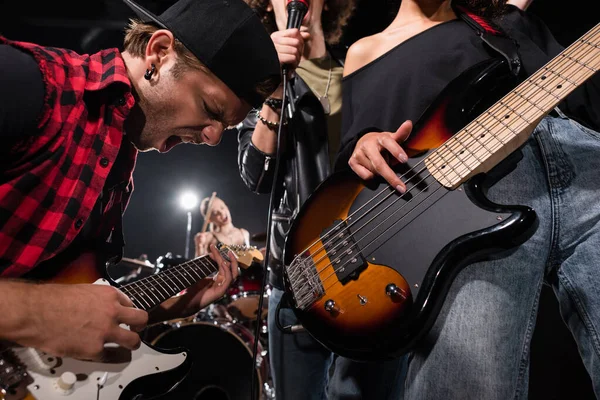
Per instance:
x=289, y=43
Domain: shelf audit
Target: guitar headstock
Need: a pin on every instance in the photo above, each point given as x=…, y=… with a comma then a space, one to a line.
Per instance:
x=245, y=255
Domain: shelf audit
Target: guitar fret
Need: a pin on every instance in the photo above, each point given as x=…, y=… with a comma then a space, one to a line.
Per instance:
x=196, y=272
x=170, y=282
x=503, y=124
x=590, y=43
x=140, y=296
x=186, y=274
x=459, y=138
x=203, y=264
x=182, y=283
x=532, y=102
x=553, y=72
x=178, y=285
x=486, y=137
x=507, y=124
x=578, y=62
x=445, y=164
x=147, y=296
x=151, y=291
x=515, y=112
x=457, y=156
x=169, y=288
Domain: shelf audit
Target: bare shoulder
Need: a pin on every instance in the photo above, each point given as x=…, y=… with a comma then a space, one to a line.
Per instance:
x=522, y=4
x=362, y=52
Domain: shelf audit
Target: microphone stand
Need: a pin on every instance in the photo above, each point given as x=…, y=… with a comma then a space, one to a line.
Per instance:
x=289, y=107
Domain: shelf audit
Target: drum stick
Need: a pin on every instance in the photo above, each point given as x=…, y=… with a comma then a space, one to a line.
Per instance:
x=208, y=210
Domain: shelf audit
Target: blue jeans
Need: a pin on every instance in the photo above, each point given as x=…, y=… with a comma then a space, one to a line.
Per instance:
x=303, y=369
x=479, y=346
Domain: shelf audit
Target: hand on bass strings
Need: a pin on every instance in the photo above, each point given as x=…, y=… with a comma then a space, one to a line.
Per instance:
x=368, y=161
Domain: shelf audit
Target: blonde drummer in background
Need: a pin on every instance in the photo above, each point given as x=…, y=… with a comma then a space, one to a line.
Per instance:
x=218, y=226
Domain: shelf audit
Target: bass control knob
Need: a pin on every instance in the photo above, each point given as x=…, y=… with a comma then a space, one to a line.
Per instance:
x=67, y=381
x=392, y=290
x=331, y=307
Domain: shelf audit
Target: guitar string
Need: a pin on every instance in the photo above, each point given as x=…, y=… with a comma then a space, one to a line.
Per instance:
x=140, y=288
x=489, y=116
x=392, y=190
x=176, y=271
x=180, y=269
x=559, y=77
x=141, y=292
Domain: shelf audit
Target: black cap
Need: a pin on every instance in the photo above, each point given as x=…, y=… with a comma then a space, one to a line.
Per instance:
x=226, y=36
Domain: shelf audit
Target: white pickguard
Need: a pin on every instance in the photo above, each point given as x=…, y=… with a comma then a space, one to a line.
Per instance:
x=114, y=376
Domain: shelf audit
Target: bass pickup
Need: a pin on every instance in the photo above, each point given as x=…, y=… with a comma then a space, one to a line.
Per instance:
x=343, y=251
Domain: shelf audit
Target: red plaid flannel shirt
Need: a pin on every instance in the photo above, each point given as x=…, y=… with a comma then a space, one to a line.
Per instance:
x=49, y=191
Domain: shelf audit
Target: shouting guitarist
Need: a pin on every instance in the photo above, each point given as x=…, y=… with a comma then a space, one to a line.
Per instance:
x=71, y=126
x=478, y=348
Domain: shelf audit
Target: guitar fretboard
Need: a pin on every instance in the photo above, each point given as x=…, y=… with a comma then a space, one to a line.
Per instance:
x=506, y=125
x=152, y=290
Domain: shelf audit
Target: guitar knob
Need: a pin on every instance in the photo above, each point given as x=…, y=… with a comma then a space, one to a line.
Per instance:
x=392, y=290
x=67, y=381
x=330, y=306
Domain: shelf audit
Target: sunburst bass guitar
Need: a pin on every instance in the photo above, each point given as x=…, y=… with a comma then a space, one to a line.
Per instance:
x=367, y=269
x=146, y=373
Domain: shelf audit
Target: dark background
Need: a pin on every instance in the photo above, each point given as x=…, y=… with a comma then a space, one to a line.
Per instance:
x=155, y=224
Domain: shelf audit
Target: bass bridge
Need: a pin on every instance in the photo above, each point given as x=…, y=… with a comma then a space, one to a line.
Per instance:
x=337, y=253
x=304, y=280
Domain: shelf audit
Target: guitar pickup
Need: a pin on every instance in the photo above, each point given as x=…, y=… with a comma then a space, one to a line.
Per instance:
x=344, y=254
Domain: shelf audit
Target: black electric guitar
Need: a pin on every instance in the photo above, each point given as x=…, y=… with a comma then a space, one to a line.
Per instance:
x=145, y=373
x=368, y=269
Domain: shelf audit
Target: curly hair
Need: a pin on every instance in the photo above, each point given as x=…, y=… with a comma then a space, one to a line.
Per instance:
x=485, y=8
x=334, y=19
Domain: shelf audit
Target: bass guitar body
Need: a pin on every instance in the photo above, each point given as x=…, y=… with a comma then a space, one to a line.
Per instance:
x=368, y=269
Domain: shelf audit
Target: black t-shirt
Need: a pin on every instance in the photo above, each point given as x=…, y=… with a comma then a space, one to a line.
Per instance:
x=21, y=93
x=401, y=83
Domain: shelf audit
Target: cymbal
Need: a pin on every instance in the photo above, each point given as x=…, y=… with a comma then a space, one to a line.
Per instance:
x=259, y=237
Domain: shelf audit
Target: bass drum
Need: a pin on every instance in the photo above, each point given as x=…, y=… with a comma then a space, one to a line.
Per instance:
x=221, y=354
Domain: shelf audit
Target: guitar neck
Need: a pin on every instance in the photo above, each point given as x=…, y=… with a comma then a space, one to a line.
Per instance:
x=506, y=125
x=148, y=292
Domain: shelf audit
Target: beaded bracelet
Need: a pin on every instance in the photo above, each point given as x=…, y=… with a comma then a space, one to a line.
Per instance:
x=269, y=124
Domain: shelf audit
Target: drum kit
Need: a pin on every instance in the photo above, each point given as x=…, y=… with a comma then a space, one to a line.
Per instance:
x=220, y=338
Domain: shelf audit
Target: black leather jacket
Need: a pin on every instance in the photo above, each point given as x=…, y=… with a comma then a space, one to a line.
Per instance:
x=305, y=164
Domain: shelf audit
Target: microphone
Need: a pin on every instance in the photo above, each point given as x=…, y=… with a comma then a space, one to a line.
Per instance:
x=297, y=10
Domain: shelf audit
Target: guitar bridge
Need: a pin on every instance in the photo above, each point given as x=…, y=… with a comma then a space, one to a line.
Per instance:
x=304, y=281
x=12, y=372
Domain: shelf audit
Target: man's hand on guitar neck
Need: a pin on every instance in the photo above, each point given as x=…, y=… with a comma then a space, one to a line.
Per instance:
x=69, y=320
x=367, y=160
x=203, y=293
